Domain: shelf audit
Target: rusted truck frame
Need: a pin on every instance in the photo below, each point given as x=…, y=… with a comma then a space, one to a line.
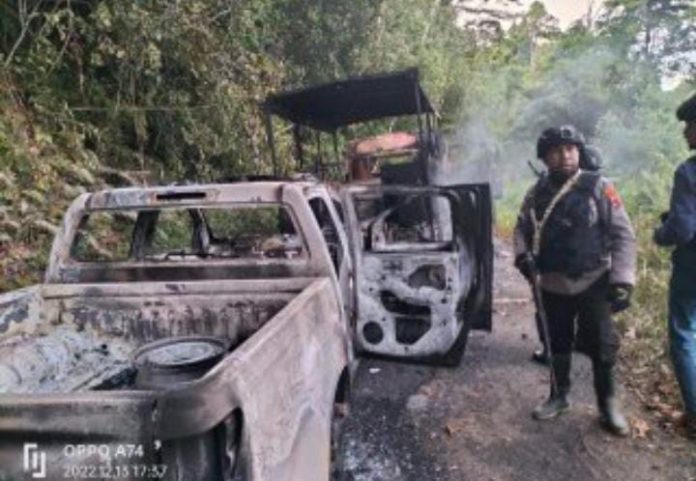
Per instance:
x=264, y=412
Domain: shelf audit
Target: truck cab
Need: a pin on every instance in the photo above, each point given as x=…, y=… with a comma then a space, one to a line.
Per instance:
x=421, y=248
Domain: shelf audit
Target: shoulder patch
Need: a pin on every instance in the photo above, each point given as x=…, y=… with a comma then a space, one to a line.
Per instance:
x=612, y=194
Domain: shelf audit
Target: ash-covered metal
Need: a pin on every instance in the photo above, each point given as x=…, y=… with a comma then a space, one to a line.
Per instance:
x=262, y=409
x=63, y=360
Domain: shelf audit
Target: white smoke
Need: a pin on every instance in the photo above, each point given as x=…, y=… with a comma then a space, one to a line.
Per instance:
x=497, y=136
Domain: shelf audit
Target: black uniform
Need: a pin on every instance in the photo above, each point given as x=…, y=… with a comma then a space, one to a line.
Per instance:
x=575, y=243
x=586, y=244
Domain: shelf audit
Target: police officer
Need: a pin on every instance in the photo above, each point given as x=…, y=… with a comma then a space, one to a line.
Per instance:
x=574, y=232
x=590, y=159
x=679, y=229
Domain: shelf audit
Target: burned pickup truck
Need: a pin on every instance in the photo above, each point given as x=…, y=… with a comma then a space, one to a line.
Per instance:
x=182, y=333
x=209, y=332
x=421, y=249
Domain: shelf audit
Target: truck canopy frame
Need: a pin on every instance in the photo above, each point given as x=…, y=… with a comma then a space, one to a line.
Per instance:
x=330, y=106
x=327, y=107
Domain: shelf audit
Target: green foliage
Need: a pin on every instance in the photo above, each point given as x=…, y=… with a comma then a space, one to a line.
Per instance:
x=95, y=93
x=174, y=88
x=105, y=92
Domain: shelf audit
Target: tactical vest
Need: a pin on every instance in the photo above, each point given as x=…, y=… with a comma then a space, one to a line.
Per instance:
x=574, y=239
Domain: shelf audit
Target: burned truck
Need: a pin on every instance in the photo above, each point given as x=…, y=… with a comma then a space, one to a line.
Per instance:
x=421, y=250
x=209, y=332
x=182, y=333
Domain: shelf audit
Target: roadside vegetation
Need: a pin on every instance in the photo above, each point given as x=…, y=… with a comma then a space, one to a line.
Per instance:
x=106, y=92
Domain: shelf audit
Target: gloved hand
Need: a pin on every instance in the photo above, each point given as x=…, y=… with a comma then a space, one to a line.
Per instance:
x=526, y=265
x=620, y=297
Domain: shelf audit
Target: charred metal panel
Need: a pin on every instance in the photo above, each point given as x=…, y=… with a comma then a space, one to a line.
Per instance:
x=422, y=285
x=63, y=269
x=474, y=226
x=64, y=361
x=84, y=335
x=148, y=318
x=184, y=271
x=285, y=391
x=19, y=309
x=401, y=317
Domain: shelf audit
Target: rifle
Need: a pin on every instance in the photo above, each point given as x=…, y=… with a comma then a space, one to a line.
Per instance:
x=538, y=173
x=535, y=284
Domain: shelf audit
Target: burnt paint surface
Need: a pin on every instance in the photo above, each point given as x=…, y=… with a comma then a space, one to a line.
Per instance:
x=289, y=334
x=432, y=278
x=391, y=273
x=284, y=389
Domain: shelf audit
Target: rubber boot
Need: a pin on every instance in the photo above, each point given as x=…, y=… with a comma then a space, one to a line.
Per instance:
x=610, y=415
x=557, y=403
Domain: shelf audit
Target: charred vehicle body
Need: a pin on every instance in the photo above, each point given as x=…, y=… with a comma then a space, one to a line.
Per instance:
x=208, y=332
x=185, y=333
x=422, y=251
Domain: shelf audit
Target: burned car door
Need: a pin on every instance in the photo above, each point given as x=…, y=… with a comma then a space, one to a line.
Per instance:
x=473, y=224
x=423, y=268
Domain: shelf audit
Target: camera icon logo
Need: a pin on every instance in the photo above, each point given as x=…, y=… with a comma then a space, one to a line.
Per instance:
x=34, y=461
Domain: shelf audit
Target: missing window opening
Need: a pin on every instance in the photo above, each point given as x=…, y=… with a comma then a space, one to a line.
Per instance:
x=396, y=306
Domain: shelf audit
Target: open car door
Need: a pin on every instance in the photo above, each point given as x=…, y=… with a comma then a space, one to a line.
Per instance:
x=423, y=268
x=474, y=226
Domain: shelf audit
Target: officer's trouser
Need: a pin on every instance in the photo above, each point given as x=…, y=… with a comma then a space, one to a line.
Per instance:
x=682, y=323
x=540, y=328
x=583, y=319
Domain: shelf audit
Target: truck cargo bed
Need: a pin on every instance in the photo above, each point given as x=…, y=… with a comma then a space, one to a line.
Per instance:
x=75, y=337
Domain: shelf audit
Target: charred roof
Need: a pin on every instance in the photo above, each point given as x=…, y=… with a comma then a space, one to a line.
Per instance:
x=327, y=107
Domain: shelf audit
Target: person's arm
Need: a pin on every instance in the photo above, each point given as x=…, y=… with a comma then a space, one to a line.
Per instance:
x=524, y=260
x=680, y=225
x=521, y=234
x=622, y=239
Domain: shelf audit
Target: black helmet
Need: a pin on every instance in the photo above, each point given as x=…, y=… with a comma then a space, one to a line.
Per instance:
x=565, y=134
x=687, y=111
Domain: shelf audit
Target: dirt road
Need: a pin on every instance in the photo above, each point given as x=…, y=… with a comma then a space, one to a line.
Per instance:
x=413, y=423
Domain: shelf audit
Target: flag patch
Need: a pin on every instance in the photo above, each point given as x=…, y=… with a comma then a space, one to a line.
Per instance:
x=613, y=195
